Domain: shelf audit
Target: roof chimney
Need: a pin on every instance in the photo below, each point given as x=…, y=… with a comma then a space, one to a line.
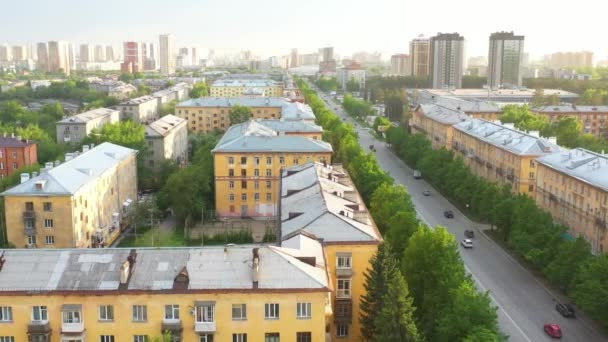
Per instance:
x=85, y=148
x=127, y=269
x=256, y=267
x=25, y=177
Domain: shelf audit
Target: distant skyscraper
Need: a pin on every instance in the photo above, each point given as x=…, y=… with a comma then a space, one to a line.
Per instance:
x=85, y=53
x=110, y=53
x=5, y=53
x=294, y=58
x=401, y=65
x=43, y=57
x=420, y=51
x=152, y=52
x=144, y=51
x=504, y=60
x=571, y=59
x=19, y=53
x=100, y=53
x=447, y=55
x=194, y=60
x=59, y=57
x=167, y=59
x=132, y=57
x=326, y=54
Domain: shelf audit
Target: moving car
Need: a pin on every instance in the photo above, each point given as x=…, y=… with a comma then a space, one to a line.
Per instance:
x=448, y=214
x=553, y=330
x=417, y=174
x=426, y=192
x=467, y=243
x=565, y=310
x=469, y=233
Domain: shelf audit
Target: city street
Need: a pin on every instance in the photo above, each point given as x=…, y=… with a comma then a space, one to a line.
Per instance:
x=524, y=303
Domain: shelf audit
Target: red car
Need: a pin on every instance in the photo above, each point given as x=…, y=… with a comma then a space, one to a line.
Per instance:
x=553, y=330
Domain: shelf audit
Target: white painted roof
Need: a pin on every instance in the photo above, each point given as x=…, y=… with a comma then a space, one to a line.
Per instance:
x=588, y=166
x=164, y=125
x=443, y=114
x=88, y=116
x=289, y=110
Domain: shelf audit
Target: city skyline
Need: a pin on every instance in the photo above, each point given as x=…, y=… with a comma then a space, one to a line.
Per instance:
x=117, y=22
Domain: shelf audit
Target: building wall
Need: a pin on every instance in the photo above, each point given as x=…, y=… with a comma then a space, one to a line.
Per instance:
x=14, y=158
x=226, y=185
x=217, y=91
x=208, y=119
x=78, y=131
x=140, y=113
x=496, y=164
x=123, y=328
x=440, y=134
x=172, y=146
x=595, y=122
x=575, y=203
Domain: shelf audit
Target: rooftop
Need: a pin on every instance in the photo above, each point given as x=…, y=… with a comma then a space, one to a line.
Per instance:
x=138, y=100
x=442, y=114
x=291, y=126
x=69, y=177
x=252, y=136
x=88, y=116
x=163, y=126
x=498, y=93
x=245, y=83
x=468, y=106
x=571, y=109
x=156, y=269
x=321, y=201
x=508, y=138
x=14, y=141
x=588, y=166
x=289, y=110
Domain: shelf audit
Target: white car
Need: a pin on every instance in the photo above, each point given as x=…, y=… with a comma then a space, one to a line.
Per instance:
x=467, y=243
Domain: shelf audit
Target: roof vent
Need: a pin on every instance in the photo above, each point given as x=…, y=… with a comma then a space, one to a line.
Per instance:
x=40, y=184
x=256, y=267
x=181, y=280
x=25, y=177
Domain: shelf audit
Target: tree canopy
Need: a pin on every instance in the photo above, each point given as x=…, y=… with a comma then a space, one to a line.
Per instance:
x=239, y=114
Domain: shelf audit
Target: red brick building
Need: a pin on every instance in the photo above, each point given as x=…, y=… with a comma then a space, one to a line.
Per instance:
x=16, y=153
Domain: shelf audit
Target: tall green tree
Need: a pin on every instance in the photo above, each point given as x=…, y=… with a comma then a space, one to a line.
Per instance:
x=591, y=291
x=199, y=89
x=568, y=131
x=352, y=85
x=239, y=114
x=563, y=268
x=395, y=321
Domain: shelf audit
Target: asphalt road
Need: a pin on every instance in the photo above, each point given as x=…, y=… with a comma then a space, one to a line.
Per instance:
x=524, y=303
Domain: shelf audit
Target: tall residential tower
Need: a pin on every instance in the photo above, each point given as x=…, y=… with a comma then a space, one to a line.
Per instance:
x=447, y=56
x=504, y=60
x=167, y=60
x=419, y=56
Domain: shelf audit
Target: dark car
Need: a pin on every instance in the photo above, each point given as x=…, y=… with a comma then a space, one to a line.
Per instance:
x=565, y=310
x=553, y=330
x=448, y=214
x=469, y=233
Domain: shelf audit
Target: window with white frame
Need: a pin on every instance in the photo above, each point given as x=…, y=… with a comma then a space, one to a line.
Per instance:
x=272, y=337
x=268, y=172
x=231, y=197
x=256, y=196
x=172, y=312
x=48, y=223
x=106, y=338
x=344, y=261
x=140, y=338
x=205, y=313
x=40, y=313
x=239, y=312
x=271, y=311
x=256, y=160
x=303, y=310
x=31, y=239
x=343, y=288
x=6, y=314
x=304, y=336
x=72, y=317
x=342, y=330
x=269, y=196
x=140, y=313
x=239, y=337
x=106, y=312
x=206, y=338
x=268, y=184
x=7, y=338
x=50, y=239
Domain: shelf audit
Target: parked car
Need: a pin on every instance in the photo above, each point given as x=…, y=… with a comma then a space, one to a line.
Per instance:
x=448, y=214
x=469, y=233
x=553, y=330
x=565, y=310
x=426, y=192
x=371, y=147
x=467, y=243
x=417, y=174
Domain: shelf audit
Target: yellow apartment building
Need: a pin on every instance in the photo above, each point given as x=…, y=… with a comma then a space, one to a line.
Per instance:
x=320, y=203
x=207, y=114
x=79, y=203
x=436, y=121
x=593, y=118
x=573, y=187
x=248, y=161
x=204, y=294
x=240, y=87
x=501, y=153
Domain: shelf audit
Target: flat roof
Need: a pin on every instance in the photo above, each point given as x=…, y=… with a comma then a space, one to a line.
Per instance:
x=483, y=93
x=443, y=114
x=88, y=116
x=580, y=163
x=289, y=110
x=138, y=100
x=164, y=126
x=245, y=83
x=570, y=109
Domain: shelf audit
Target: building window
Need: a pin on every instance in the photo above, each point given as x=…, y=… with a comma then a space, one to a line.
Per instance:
x=282, y=160
x=243, y=197
x=50, y=240
x=272, y=337
x=47, y=206
x=14, y=154
x=140, y=338
x=342, y=330
x=106, y=312
x=7, y=338
x=268, y=172
x=344, y=261
x=230, y=160
x=343, y=288
x=231, y=197
x=31, y=239
x=172, y=312
x=268, y=196
x=206, y=338
x=6, y=313
x=531, y=175
x=29, y=206
x=256, y=161
x=243, y=184
x=271, y=311
x=231, y=185
x=243, y=160
x=256, y=184
x=256, y=196
x=231, y=173
x=268, y=184
x=140, y=313
x=205, y=313
x=40, y=314
x=244, y=173
x=239, y=337
x=106, y=338
x=268, y=160
x=303, y=310
x=48, y=223
x=303, y=337
x=239, y=312
x=14, y=165
x=72, y=317
x=296, y=161
x=256, y=172
x=531, y=188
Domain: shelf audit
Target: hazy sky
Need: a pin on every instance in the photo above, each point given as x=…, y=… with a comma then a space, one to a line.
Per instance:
x=273, y=27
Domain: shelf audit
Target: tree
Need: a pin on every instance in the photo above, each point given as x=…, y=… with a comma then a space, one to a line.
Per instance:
x=395, y=320
x=481, y=334
x=570, y=255
x=538, y=99
x=125, y=133
x=387, y=201
x=168, y=108
x=126, y=77
x=568, y=130
x=591, y=289
x=200, y=89
x=382, y=266
x=352, y=85
x=239, y=114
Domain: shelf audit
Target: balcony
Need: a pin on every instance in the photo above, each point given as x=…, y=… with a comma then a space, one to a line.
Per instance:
x=29, y=215
x=72, y=327
x=511, y=177
x=204, y=327
x=488, y=165
x=344, y=311
x=38, y=328
x=67, y=138
x=600, y=223
x=172, y=325
x=344, y=272
x=552, y=197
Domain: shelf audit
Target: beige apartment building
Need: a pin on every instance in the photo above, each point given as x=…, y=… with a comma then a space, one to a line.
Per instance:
x=573, y=186
x=436, y=121
x=141, y=109
x=593, y=118
x=241, y=87
x=81, y=203
x=73, y=129
x=501, y=153
x=167, y=139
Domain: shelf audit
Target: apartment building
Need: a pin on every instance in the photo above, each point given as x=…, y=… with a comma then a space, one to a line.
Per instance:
x=420, y=51
x=232, y=293
x=167, y=139
x=501, y=153
x=16, y=153
x=248, y=161
x=446, y=60
x=76, y=128
x=178, y=92
x=352, y=72
x=207, y=114
x=240, y=87
x=436, y=122
x=472, y=107
x=504, y=59
x=573, y=186
x=401, y=65
x=319, y=204
x=593, y=118
x=80, y=203
x=140, y=109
